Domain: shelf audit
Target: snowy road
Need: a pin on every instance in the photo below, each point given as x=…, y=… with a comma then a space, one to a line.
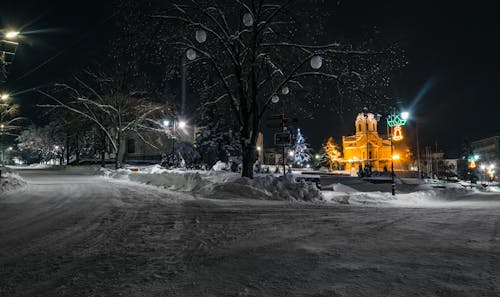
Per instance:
x=77, y=235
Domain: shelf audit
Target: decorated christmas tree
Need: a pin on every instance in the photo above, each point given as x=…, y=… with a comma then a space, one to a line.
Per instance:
x=301, y=151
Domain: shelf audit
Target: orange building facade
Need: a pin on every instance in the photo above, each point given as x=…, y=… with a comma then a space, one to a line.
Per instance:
x=366, y=147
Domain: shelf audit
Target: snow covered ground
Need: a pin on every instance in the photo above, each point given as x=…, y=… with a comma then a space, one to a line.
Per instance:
x=72, y=233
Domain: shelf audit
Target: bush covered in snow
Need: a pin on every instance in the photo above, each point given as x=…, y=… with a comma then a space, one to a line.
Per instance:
x=266, y=187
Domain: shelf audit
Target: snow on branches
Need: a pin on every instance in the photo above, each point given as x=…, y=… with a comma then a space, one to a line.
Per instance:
x=114, y=113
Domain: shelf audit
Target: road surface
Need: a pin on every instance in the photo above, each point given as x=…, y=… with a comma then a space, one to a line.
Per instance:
x=79, y=235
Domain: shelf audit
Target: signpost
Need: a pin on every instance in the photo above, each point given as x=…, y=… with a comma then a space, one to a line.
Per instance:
x=283, y=138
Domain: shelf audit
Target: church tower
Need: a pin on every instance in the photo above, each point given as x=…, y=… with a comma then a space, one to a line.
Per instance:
x=366, y=122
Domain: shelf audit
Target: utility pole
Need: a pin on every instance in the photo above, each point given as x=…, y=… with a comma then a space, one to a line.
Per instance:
x=418, y=153
x=183, y=86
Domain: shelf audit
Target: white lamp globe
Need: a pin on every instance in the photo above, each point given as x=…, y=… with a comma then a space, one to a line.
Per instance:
x=191, y=54
x=316, y=62
x=285, y=90
x=248, y=19
x=201, y=36
x=275, y=99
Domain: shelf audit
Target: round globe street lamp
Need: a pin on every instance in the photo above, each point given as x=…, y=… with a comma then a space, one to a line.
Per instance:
x=4, y=96
x=191, y=54
x=316, y=62
x=201, y=36
x=248, y=19
x=285, y=90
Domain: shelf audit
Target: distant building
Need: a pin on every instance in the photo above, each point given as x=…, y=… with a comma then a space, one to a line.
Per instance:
x=366, y=146
x=488, y=149
x=149, y=146
x=272, y=156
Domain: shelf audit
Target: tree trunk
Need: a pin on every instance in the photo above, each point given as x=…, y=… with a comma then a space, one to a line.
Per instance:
x=77, y=156
x=248, y=145
x=67, y=150
x=103, y=158
x=120, y=151
x=248, y=152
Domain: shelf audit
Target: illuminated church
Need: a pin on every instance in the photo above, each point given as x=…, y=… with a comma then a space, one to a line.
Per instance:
x=366, y=147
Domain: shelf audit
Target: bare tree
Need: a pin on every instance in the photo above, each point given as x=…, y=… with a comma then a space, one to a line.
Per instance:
x=9, y=120
x=252, y=55
x=40, y=144
x=113, y=112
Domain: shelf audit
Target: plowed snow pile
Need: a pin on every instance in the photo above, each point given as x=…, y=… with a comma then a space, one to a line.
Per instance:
x=10, y=181
x=449, y=197
x=220, y=184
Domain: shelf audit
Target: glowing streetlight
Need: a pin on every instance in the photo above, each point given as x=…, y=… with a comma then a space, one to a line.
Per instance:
x=396, y=157
x=182, y=124
x=405, y=115
x=259, y=148
x=4, y=96
x=12, y=34
x=317, y=157
x=291, y=153
x=166, y=123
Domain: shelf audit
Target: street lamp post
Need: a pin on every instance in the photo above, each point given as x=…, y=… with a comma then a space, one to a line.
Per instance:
x=174, y=125
x=395, y=121
x=393, y=182
x=8, y=49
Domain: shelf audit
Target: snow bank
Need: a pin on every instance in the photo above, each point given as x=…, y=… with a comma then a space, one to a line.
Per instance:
x=266, y=187
x=170, y=179
x=219, y=184
x=435, y=197
x=10, y=181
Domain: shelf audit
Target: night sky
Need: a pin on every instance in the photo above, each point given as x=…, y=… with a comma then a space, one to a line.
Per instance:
x=451, y=81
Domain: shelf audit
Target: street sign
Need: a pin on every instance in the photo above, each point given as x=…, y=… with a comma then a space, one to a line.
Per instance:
x=283, y=138
x=279, y=123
